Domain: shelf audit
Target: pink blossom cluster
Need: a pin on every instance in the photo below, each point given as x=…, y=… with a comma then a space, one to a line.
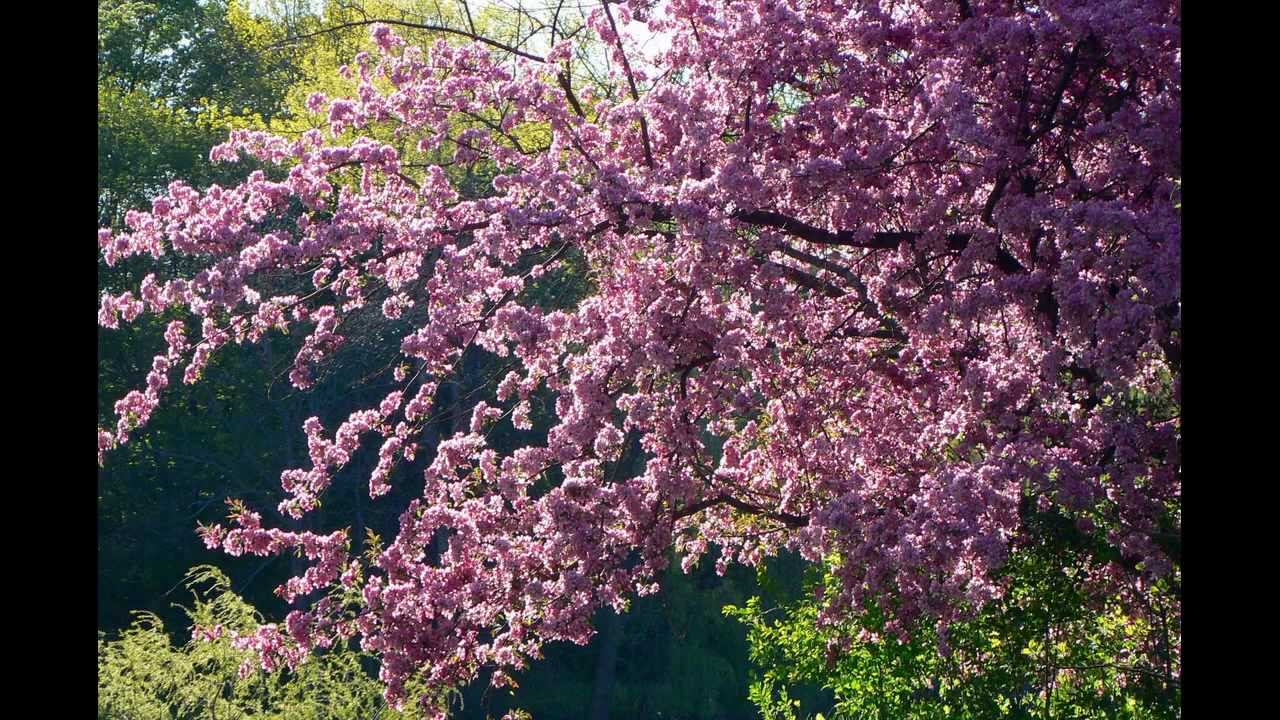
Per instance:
x=249, y=537
x=869, y=281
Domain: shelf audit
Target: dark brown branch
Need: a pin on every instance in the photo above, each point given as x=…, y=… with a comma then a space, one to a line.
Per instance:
x=421, y=26
x=1046, y=120
x=470, y=24
x=355, y=163
x=497, y=128
x=893, y=331
x=989, y=207
x=956, y=242
x=1044, y=126
x=555, y=22
x=804, y=279
x=563, y=78
x=688, y=368
x=818, y=262
x=508, y=295
x=792, y=521
x=631, y=81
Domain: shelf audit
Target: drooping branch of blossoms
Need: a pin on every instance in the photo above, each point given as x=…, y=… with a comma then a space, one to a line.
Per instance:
x=986, y=342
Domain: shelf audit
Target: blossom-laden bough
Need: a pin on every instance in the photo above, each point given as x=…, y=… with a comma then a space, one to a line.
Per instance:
x=881, y=281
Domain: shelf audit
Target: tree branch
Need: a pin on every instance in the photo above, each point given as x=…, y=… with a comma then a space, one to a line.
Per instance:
x=566, y=85
x=631, y=81
x=792, y=521
x=1068, y=70
x=956, y=242
x=476, y=37
x=804, y=279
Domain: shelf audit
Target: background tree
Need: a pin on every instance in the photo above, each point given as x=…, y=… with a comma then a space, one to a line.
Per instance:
x=173, y=79
x=1046, y=649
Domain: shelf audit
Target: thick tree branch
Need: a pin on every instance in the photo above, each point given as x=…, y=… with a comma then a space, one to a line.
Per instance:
x=997, y=192
x=956, y=242
x=819, y=262
x=804, y=279
x=787, y=519
x=893, y=331
x=1046, y=120
x=563, y=78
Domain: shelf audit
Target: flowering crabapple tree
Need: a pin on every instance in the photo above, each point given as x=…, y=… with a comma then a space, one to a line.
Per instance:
x=875, y=281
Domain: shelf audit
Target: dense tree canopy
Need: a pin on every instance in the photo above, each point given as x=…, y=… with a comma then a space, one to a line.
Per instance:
x=173, y=77
x=895, y=284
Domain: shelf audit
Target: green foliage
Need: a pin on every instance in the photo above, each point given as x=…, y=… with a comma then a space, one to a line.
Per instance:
x=1043, y=634
x=173, y=78
x=143, y=675
x=144, y=144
